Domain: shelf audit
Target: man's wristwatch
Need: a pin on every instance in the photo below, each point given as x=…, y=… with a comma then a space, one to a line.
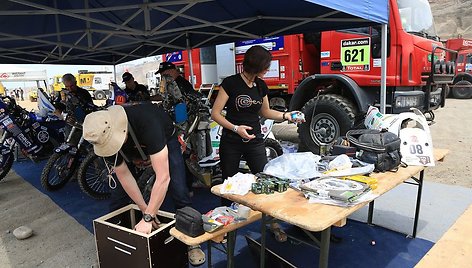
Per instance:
x=148, y=217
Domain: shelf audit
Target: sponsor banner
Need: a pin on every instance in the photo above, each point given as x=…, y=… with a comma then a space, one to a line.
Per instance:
x=174, y=56
x=270, y=43
x=23, y=76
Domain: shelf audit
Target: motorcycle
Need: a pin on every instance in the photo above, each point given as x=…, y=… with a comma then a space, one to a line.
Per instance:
x=33, y=134
x=92, y=173
x=66, y=158
x=202, y=141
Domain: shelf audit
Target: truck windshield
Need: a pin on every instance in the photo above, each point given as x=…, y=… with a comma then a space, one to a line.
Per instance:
x=417, y=18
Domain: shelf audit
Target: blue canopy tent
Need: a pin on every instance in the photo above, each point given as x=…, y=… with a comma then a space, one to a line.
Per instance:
x=116, y=31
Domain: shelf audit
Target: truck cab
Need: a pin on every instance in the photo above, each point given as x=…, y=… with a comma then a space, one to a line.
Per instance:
x=461, y=87
x=336, y=99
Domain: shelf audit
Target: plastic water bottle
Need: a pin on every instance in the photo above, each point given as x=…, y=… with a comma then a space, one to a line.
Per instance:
x=297, y=116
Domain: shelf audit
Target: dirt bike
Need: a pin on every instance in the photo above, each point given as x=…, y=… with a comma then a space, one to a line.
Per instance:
x=35, y=135
x=66, y=158
x=92, y=173
x=202, y=140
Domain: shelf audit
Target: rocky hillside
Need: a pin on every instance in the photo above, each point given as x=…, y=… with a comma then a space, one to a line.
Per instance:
x=453, y=18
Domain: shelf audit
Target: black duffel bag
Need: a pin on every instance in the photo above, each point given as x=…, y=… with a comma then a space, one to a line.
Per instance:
x=189, y=221
x=381, y=148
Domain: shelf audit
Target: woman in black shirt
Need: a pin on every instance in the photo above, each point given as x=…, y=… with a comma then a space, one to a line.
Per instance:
x=245, y=98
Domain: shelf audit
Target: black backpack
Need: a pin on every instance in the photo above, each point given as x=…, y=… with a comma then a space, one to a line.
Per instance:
x=381, y=148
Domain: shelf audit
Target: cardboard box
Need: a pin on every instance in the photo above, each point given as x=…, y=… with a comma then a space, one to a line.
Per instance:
x=118, y=245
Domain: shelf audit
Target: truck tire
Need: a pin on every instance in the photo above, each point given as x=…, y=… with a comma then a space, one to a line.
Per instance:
x=333, y=113
x=462, y=90
x=100, y=95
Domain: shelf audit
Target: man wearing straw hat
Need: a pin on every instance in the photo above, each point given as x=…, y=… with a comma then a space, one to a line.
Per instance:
x=132, y=133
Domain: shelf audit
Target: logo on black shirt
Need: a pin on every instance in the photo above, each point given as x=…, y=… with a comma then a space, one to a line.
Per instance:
x=245, y=101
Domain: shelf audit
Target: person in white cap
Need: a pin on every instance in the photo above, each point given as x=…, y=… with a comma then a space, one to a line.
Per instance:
x=127, y=135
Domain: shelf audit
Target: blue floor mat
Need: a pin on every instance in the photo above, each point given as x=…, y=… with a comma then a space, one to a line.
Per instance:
x=391, y=249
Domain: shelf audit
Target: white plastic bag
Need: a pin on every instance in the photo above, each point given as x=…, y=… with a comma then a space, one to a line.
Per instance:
x=239, y=184
x=341, y=162
x=294, y=166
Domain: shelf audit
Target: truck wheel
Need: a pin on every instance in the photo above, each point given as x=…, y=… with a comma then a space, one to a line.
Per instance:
x=334, y=116
x=462, y=90
x=108, y=94
x=100, y=95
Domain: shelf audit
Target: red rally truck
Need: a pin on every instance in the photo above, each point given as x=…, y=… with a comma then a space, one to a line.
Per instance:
x=335, y=99
x=461, y=87
x=334, y=76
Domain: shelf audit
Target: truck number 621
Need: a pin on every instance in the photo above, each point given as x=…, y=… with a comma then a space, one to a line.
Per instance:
x=351, y=55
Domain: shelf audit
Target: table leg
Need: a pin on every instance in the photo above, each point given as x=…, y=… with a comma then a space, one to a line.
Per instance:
x=230, y=250
x=324, y=248
x=418, y=203
x=263, y=241
x=209, y=253
x=370, y=215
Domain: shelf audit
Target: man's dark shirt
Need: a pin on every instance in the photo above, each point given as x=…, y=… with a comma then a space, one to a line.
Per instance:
x=140, y=93
x=77, y=104
x=83, y=96
x=152, y=126
x=184, y=85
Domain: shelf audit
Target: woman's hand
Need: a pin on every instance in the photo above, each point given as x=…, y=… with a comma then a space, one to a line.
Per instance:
x=295, y=117
x=144, y=227
x=242, y=131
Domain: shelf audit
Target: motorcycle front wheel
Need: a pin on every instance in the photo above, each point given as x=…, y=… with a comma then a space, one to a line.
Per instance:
x=57, y=171
x=93, y=177
x=6, y=161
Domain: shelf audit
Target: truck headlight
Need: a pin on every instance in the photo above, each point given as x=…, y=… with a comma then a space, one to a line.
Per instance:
x=408, y=101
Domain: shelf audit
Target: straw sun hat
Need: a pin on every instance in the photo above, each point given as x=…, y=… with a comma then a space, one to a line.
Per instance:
x=106, y=130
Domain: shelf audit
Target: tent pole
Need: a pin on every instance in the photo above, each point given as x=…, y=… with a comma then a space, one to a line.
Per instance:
x=383, y=70
x=189, y=51
x=114, y=72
